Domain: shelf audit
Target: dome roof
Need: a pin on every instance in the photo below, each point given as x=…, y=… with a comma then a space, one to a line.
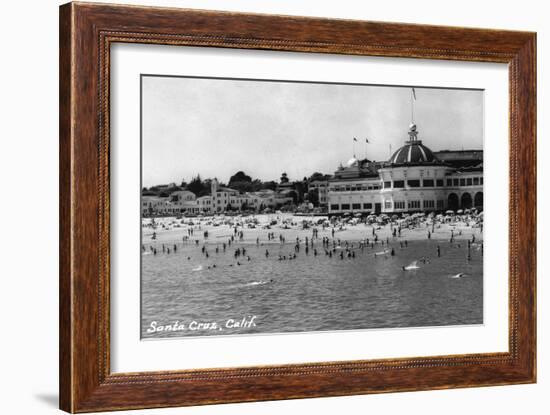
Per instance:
x=413, y=152
x=352, y=161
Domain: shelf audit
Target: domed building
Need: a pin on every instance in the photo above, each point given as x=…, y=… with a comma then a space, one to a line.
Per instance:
x=413, y=152
x=414, y=179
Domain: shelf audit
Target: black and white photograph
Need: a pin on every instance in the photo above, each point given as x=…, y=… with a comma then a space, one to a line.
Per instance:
x=281, y=206
x=275, y=207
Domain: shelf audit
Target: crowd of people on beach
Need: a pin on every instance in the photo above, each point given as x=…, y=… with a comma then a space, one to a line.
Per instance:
x=313, y=244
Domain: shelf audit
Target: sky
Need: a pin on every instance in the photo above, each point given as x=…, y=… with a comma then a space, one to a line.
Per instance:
x=216, y=127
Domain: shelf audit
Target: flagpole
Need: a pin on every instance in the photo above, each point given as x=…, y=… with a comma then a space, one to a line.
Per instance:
x=412, y=107
x=413, y=98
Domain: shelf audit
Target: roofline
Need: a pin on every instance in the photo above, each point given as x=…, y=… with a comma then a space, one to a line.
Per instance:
x=354, y=178
x=458, y=151
x=424, y=163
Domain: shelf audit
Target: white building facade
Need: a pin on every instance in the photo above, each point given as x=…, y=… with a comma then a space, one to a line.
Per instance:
x=414, y=179
x=226, y=199
x=322, y=187
x=221, y=199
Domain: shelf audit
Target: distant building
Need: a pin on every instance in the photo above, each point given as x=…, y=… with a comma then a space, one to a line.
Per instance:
x=154, y=205
x=414, y=179
x=227, y=199
x=460, y=158
x=204, y=205
x=178, y=202
x=322, y=187
x=221, y=199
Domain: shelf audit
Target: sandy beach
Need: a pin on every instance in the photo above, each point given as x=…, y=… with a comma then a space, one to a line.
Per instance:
x=220, y=229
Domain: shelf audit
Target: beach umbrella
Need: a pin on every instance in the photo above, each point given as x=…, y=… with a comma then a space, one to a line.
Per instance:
x=460, y=211
x=357, y=215
x=450, y=212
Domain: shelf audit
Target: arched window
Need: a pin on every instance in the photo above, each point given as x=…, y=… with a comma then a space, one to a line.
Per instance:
x=452, y=202
x=466, y=201
x=478, y=200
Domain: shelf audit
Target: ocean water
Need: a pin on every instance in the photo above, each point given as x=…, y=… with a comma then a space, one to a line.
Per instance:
x=184, y=297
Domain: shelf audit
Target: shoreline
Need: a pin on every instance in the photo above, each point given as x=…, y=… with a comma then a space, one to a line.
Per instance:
x=171, y=230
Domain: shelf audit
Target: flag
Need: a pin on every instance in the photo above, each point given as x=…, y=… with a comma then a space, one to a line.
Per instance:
x=414, y=94
x=354, y=139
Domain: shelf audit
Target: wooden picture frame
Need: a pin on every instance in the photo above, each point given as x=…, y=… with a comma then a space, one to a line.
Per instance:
x=86, y=33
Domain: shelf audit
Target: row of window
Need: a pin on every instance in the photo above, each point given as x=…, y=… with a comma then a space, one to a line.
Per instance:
x=354, y=187
x=468, y=181
x=353, y=206
x=397, y=205
x=416, y=204
x=224, y=194
x=400, y=184
x=240, y=201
